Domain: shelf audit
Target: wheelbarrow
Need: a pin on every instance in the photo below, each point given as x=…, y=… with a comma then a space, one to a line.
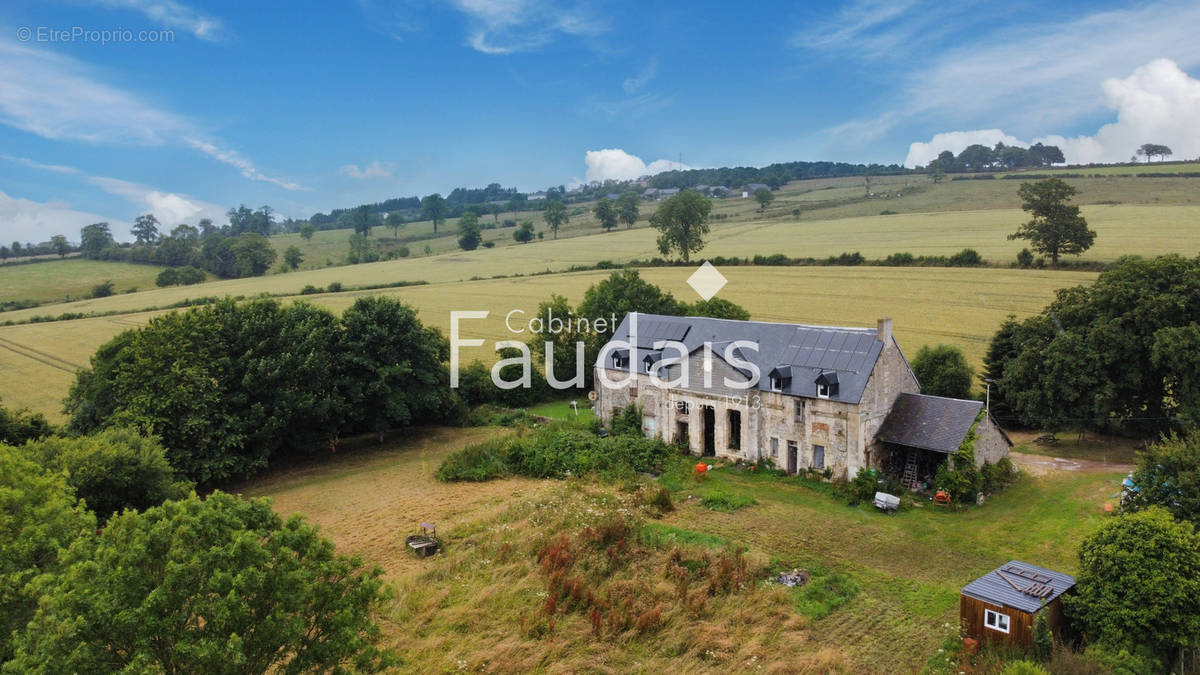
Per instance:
x=426, y=542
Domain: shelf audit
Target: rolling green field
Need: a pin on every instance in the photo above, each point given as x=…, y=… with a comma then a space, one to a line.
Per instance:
x=929, y=305
x=1121, y=230
x=60, y=280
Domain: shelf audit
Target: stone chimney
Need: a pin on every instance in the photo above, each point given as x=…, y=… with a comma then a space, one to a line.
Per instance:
x=883, y=331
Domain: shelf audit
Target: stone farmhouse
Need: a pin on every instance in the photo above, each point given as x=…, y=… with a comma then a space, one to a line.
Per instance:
x=824, y=397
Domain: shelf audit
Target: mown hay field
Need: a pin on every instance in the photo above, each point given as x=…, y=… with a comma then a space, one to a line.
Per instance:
x=1121, y=230
x=929, y=305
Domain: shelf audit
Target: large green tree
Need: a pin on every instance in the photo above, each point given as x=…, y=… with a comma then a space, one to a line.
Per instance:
x=1057, y=228
x=556, y=215
x=253, y=255
x=395, y=221
x=606, y=213
x=943, y=371
x=433, y=208
x=627, y=208
x=145, y=229
x=360, y=220
x=39, y=519
x=224, y=386
x=764, y=197
x=60, y=244
x=1118, y=353
x=94, y=239
x=1139, y=577
x=389, y=367
x=1149, y=150
x=112, y=470
x=470, y=232
x=18, y=426
x=682, y=222
x=215, y=585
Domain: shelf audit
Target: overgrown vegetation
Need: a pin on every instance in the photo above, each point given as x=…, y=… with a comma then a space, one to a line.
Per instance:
x=557, y=451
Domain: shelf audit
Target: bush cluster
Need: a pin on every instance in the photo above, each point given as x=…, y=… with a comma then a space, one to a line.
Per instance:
x=557, y=451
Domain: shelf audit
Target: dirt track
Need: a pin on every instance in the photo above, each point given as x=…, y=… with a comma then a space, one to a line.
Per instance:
x=1042, y=464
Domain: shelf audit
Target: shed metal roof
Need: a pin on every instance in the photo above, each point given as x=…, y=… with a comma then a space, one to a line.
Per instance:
x=806, y=351
x=929, y=422
x=997, y=587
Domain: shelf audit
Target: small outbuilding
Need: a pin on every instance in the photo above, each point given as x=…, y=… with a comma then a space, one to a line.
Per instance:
x=1002, y=605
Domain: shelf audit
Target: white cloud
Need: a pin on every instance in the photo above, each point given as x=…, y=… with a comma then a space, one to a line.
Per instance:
x=616, y=164
x=169, y=208
x=1024, y=77
x=25, y=161
x=376, y=169
x=508, y=26
x=173, y=15
x=1158, y=103
x=232, y=158
x=59, y=98
x=636, y=83
x=29, y=221
x=920, y=154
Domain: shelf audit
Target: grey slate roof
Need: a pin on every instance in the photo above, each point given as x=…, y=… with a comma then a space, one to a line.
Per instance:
x=992, y=588
x=808, y=351
x=929, y=422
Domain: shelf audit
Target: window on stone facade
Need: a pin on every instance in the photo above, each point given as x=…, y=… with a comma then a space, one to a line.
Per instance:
x=800, y=411
x=774, y=447
x=818, y=457
x=735, y=430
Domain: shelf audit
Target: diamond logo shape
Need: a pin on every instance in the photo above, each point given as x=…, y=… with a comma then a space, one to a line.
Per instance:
x=707, y=281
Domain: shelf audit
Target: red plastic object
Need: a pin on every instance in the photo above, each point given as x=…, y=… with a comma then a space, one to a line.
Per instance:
x=701, y=469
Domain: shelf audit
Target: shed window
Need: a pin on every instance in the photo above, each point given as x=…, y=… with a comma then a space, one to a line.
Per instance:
x=995, y=620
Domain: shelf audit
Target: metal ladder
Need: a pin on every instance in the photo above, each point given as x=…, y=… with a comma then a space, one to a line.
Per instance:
x=909, y=479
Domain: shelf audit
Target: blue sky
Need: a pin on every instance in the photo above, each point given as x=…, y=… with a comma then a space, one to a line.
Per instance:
x=307, y=106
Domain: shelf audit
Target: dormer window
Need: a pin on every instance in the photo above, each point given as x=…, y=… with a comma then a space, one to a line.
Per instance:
x=649, y=366
x=827, y=384
x=620, y=359
x=780, y=378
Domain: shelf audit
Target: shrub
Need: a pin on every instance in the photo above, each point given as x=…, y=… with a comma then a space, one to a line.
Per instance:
x=103, y=289
x=334, y=287
x=489, y=244
x=862, y=487
x=18, y=426
x=968, y=257
x=1025, y=259
x=898, y=259
x=943, y=371
x=627, y=421
x=996, y=477
x=480, y=462
x=309, y=289
x=113, y=470
x=167, y=277
x=855, y=258
x=402, y=251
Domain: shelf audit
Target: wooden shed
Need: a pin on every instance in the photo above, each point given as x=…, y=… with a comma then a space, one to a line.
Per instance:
x=1002, y=605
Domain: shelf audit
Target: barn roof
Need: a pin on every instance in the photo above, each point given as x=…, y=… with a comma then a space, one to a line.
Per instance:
x=929, y=422
x=845, y=356
x=1019, y=585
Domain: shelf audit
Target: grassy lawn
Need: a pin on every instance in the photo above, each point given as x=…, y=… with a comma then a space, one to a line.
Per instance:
x=882, y=587
x=562, y=410
x=63, y=280
x=929, y=305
